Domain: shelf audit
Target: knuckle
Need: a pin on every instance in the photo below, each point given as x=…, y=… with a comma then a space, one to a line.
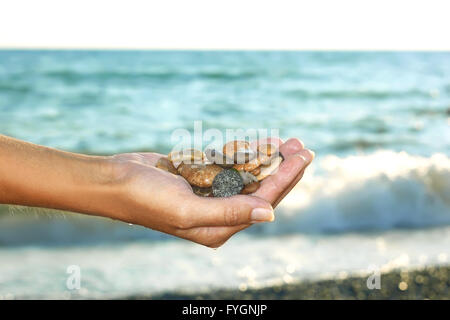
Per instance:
x=299, y=144
x=231, y=215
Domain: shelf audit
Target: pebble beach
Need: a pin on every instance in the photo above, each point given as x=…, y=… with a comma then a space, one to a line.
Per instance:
x=431, y=283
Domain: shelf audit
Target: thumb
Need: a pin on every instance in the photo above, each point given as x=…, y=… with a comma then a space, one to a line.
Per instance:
x=232, y=211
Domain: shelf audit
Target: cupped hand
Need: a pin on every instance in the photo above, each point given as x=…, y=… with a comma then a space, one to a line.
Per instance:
x=165, y=202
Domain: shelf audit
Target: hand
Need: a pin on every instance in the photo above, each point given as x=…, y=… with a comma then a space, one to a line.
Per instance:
x=162, y=201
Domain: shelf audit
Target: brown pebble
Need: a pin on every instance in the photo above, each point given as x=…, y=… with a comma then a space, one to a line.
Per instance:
x=230, y=148
x=249, y=166
x=270, y=169
x=250, y=188
x=266, y=152
x=164, y=164
x=267, y=149
x=202, y=192
x=199, y=175
x=256, y=172
x=244, y=156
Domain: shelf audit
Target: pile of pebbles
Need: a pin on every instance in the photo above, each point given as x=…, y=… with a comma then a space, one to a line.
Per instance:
x=237, y=169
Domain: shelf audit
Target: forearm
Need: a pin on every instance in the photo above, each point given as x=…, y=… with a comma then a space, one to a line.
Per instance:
x=33, y=175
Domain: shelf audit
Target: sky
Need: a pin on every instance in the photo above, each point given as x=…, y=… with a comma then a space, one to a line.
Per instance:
x=231, y=24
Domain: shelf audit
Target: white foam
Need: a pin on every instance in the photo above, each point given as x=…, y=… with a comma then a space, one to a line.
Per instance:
x=383, y=190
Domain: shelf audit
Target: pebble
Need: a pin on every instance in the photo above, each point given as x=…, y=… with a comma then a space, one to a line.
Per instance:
x=219, y=158
x=250, y=188
x=203, y=192
x=256, y=172
x=266, y=153
x=199, y=175
x=267, y=149
x=227, y=183
x=270, y=169
x=244, y=156
x=247, y=177
x=249, y=166
x=230, y=148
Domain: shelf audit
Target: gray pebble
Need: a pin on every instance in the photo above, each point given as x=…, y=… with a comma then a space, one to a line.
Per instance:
x=227, y=183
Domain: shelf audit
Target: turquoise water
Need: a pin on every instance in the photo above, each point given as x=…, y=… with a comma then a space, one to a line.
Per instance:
x=337, y=102
x=377, y=194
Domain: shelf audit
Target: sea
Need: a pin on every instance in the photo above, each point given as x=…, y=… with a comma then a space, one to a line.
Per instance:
x=376, y=198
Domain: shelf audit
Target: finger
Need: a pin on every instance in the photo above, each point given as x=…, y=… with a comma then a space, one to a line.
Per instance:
x=287, y=190
x=273, y=186
x=291, y=146
x=231, y=211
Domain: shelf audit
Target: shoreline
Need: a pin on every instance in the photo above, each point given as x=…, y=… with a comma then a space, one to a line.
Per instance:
x=431, y=282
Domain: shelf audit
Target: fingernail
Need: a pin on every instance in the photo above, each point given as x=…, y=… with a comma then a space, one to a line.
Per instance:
x=261, y=214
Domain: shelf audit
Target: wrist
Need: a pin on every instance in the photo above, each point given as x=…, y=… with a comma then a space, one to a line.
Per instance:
x=103, y=191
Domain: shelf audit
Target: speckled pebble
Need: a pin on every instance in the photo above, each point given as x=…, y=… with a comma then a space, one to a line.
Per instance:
x=227, y=183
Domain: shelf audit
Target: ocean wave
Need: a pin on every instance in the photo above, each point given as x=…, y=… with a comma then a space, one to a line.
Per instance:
x=77, y=76
x=14, y=88
x=427, y=111
x=383, y=190
x=371, y=94
x=359, y=143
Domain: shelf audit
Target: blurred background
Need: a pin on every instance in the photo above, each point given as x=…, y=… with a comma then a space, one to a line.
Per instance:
x=377, y=197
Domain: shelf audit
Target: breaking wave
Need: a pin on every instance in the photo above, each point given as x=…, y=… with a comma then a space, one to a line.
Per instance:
x=384, y=190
